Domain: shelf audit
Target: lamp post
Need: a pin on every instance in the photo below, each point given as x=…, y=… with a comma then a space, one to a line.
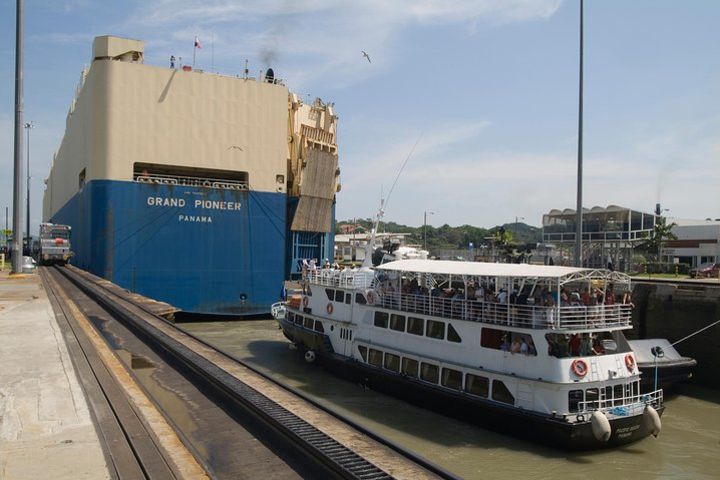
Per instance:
x=17, y=173
x=28, y=126
x=516, y=223
x=579, y=212
x=425, y=214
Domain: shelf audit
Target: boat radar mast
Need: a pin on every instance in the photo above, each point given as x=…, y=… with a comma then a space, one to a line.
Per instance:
x=370, y=246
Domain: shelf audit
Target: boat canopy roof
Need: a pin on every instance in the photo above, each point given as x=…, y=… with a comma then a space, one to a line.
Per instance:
x=507, y=270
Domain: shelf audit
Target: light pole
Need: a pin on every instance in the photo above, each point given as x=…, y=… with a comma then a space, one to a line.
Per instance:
x=17, y=176
x=425, y=214
x=516, y=223
x=579, y=212
x=28, y=126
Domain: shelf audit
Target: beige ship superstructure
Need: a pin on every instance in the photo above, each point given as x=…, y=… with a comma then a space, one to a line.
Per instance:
x=134, y=123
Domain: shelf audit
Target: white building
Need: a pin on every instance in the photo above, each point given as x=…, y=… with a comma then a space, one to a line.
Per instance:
x=698, y=241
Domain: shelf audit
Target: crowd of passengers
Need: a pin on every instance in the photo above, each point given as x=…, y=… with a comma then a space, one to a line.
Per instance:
x=574, y=345
x=543, y=296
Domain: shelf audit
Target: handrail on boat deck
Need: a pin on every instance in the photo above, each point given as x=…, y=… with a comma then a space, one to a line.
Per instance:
x=527, y=316
x=341, y=278
x=623, y=406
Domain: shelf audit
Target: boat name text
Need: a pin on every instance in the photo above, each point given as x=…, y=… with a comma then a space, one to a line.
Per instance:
x=204, y=204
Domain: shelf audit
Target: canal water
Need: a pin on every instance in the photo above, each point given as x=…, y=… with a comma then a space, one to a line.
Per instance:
x=688, y=446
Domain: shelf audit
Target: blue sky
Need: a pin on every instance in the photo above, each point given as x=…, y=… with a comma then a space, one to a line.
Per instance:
x=489, y=87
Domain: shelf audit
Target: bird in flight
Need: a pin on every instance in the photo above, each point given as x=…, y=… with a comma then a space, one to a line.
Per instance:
x=235, y=147
x=366, y=55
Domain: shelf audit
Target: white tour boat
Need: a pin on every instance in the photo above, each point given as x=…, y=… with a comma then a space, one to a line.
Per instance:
x=486, y=342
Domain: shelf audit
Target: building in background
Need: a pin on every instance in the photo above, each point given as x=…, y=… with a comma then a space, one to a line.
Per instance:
x=610, y=235
x=697, y=242
x=197, y=189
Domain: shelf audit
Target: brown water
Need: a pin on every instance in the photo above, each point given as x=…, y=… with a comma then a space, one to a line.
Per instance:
x=687, y=448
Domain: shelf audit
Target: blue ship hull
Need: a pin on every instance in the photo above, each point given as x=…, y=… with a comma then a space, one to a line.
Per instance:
x=202, y=250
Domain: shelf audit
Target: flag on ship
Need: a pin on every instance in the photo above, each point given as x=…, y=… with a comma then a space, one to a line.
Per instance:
x=197, y=43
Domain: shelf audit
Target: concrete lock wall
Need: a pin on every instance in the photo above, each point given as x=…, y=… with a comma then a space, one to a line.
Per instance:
x=674, y=311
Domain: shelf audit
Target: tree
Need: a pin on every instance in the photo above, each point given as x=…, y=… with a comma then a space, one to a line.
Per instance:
x=659, y=234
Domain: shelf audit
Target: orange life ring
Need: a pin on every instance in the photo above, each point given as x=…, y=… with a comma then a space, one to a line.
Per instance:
x=579, y=368
x=630, y=362
x=329, y=308
x=305, y=301
x=370, y=298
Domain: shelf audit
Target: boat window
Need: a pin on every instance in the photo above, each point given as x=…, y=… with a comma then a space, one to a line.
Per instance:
x=574, y=399
x=452, y=378
x=375, y=357
x=562, y=345
x=416, y=326
x=330, y=293
x=453, y=335
x=476, y=385
x=363, y=352
x=507, y=341
x=592, y=395
x=618, y=394
x=436, y=329
x=501, y=393
x=392, y=362
x=381, y=319
x=410, y=367
x=339, y=296
x=308, y=322
x=348, y=298
x=291, y=316
x=360, y=299
x=319, y=326
x=397, y=322
x=299, y=319
x=429, y=372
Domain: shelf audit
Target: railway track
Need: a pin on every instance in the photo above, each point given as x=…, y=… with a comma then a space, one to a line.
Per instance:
x=218, y=406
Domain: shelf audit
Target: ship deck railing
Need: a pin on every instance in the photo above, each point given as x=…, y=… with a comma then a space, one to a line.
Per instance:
x=352, y=279
x=622, y=406
x=526, y=316
x=161, y=179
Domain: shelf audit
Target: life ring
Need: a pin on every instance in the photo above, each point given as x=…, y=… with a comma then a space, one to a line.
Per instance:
x=579, y=368
x=370, y=297
x=329, y=308
x=305, y=301
x=630, y=362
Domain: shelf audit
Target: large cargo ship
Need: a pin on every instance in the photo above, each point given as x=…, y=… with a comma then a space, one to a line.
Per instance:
x=197, y=189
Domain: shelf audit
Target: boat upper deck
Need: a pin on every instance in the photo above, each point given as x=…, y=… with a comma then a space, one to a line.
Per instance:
x=520, y=295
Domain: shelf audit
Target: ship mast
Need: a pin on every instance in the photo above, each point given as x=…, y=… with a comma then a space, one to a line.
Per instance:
x=370, y=246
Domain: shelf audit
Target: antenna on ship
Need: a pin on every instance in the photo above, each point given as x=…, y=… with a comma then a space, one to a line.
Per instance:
x=370, y=246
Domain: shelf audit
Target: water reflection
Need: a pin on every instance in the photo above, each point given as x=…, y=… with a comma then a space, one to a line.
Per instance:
x=687, y=448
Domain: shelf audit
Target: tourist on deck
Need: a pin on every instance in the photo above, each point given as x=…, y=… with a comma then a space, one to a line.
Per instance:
x=586, y=297
x=524, y=347
x=574, y=345
x=505, y=345
x=305, y=268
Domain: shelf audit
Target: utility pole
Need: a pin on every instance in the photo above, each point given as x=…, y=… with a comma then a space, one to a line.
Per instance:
x=425, y=214
x=28, y=126
x=17, y=178
x=579, y=212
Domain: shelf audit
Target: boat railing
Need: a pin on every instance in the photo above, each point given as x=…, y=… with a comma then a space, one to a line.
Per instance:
x=162, y=179
x=623, y=406
x=527, y=316
x=329, y=277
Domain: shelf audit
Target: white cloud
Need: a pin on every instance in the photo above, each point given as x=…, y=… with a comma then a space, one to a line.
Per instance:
x=466, y=182
x=321, y=39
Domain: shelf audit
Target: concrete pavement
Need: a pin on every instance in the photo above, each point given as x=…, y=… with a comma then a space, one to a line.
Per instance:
x=46, y=430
